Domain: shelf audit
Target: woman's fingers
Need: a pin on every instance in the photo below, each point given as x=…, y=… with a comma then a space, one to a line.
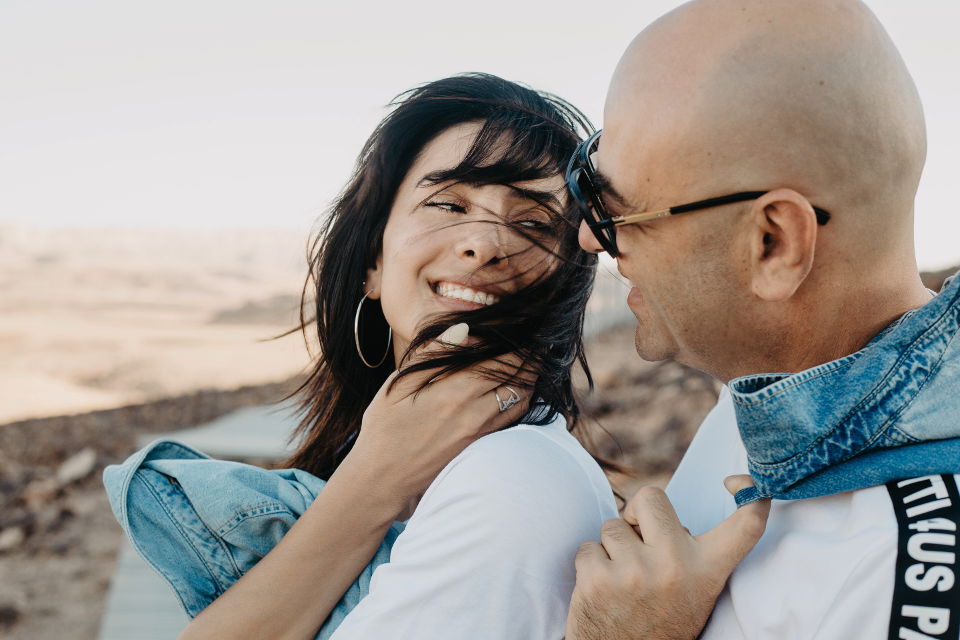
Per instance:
x=454, y=336
x=412, y=429
x=507, y=370
x=460, y=406
x=511, y=404
x=507, y=367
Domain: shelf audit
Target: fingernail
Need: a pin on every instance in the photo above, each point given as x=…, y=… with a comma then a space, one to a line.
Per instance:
x=454, y=335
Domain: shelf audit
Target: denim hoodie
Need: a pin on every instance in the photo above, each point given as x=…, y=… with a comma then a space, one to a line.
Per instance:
x=886, y=412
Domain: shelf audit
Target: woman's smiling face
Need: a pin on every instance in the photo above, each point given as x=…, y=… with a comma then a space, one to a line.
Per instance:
x=445, y=247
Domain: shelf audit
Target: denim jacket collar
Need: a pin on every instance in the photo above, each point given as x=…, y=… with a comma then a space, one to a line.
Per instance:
x=888, y=411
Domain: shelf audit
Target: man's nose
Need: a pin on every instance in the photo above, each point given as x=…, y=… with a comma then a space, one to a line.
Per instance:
x=588, y=241
x=482, y=245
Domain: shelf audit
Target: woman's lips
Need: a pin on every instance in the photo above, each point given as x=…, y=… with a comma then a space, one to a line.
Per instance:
x=462, y=297
x=458, y=305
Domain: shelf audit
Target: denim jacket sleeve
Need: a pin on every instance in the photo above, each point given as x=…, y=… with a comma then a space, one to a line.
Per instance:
x=202, y=523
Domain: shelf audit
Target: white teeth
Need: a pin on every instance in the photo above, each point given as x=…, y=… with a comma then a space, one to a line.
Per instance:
x=460, y=292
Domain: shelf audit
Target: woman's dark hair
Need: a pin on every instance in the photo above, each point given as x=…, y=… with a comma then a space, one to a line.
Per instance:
x=523, y=135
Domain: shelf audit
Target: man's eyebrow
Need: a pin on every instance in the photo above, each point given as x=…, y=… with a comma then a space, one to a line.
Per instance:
x=608, y=192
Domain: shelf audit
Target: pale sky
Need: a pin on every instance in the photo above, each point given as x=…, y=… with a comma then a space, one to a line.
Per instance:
x=241, y=114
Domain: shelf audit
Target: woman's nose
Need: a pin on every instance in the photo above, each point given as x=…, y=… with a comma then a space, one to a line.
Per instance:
x=482, y=245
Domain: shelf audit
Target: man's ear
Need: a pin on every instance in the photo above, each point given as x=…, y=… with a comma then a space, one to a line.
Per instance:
x=783, y=236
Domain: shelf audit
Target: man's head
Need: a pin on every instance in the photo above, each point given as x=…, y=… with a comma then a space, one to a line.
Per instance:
x=808, y=101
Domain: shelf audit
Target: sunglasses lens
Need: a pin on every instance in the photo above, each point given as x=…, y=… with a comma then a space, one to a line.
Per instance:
x=588, y=202
x=584, y=192
x=593, y=210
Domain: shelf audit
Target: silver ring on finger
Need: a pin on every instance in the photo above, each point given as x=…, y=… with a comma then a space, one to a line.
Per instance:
x=509, y=401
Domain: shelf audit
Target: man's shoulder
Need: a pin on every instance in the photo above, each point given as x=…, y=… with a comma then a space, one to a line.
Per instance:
x=836, y=564
x=696, y=489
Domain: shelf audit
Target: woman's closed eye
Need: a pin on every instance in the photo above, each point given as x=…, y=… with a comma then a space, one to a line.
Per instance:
x=444, y=205
x=534, y=224
x=539, y=224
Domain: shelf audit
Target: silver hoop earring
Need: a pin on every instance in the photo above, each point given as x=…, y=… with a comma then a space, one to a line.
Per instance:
x=356, y=336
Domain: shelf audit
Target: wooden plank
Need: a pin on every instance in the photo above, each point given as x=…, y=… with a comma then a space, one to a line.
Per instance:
x=252, y=432
x=140, y=604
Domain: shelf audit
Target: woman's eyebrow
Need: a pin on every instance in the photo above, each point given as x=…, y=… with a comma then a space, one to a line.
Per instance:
x=547, y=198
x=429, y=180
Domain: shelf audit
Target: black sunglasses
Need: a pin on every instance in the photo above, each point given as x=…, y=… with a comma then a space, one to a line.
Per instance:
x=582, y=183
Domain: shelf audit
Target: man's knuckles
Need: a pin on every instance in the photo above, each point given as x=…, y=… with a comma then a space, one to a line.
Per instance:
x=605, y=581
x=645, y=499
x=647, y=495
x=617, y=531
x=595, y=585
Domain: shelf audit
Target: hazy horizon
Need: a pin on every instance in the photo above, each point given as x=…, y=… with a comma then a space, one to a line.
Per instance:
x=237, y=115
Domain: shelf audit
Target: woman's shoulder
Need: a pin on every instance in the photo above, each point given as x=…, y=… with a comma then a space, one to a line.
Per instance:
x=529, y=469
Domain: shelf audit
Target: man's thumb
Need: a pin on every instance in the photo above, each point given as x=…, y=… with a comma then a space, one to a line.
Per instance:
x=730, y=541
x=733, y=484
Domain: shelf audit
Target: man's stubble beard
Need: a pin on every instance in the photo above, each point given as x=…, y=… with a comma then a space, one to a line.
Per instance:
x=645, y=351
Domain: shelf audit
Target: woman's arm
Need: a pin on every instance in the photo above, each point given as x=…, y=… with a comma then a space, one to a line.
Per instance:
x=292, y=590
x=404, y=441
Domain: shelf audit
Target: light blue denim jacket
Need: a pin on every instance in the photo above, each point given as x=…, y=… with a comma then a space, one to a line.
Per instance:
x=202, y=523
x=888, y=411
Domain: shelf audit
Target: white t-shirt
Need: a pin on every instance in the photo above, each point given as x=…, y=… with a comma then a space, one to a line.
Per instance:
x=489, y=551
x=824, y=568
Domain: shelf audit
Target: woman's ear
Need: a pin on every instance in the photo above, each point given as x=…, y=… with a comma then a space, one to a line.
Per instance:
x=783, y=236
x=371, y=285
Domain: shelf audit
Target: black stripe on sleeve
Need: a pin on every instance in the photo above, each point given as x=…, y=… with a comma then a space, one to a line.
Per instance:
x=926, y=592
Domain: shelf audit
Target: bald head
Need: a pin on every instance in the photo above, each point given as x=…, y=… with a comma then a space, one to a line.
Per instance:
x=808, y=102
x=726, y=95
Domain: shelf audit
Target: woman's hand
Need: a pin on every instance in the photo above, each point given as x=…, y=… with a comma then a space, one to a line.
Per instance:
x=409, y=437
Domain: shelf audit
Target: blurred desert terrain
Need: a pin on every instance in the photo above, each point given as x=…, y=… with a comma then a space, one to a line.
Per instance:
x=93, y=319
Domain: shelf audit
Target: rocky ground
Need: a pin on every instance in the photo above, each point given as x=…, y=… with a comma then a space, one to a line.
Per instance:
x=58, y=538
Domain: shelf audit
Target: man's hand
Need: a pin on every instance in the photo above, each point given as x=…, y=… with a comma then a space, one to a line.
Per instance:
x=653, y=580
